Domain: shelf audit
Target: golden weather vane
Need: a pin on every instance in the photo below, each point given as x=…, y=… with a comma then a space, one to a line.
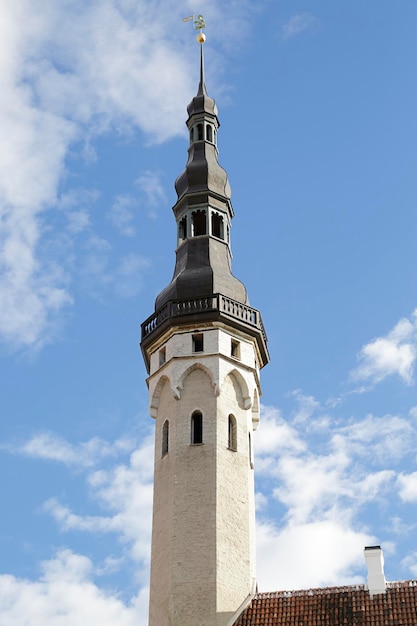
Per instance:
x=199, y=24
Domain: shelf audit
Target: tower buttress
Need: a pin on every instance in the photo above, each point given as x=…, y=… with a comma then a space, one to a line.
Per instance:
x=203, y=348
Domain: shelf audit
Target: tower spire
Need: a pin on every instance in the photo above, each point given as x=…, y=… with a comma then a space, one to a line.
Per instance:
x=202, y=86
x=203, y=348
x=203, y=212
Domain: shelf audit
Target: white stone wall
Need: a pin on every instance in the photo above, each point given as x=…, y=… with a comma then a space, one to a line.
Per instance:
x=203, y=525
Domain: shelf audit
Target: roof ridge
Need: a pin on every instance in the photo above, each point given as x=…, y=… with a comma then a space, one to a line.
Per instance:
x=323, y=590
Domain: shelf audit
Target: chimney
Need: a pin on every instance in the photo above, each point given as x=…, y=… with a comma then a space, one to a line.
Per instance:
x=375, y=562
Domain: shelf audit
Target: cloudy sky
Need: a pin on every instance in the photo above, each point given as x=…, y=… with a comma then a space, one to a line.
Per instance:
x=318, y=106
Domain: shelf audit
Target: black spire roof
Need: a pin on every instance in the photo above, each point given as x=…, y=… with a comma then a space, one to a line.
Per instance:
x=203, y=264
x=203, y=288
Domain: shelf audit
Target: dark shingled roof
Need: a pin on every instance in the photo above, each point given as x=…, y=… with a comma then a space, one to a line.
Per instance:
x=334, y=606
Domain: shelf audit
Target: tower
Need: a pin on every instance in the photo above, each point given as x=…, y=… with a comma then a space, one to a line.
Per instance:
x=203, y=348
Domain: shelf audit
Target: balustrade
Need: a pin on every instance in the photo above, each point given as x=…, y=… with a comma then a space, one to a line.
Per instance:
x=217, y=302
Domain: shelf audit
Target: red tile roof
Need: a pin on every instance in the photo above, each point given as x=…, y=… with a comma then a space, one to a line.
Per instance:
x=334, y=606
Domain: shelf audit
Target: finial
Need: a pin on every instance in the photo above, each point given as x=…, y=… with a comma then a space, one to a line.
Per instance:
x=199, y=24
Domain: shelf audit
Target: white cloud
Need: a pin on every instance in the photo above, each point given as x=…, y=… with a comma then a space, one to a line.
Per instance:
x=127, y=275
x=276, y=434
x=311, y=485
x=307, y=405
x=76, y=205
x=68, y=520
x=323, y=478
x=393, y=354
x=377, y=439
x=51, y=447
x=123, y=491
x=410, y=562
x=413, y=412
x=298, y=24
x=122, y=214
x=315, y=554
x=399, y=527
x=100, y=272
x=126, y=490
x=407, y=485
x=331, y=475
x=150, y=185
x=66, y=595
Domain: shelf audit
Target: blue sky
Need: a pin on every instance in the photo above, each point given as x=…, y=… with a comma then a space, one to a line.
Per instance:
x=317, y=103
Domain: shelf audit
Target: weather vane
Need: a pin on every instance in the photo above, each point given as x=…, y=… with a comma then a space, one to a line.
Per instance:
x=199, y=24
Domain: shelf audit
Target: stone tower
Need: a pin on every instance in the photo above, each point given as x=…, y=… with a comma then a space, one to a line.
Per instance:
x=203, y=347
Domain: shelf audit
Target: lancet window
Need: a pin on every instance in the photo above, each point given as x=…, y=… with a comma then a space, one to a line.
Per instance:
x=197, y=427
x=232, y=433
x=165, y=438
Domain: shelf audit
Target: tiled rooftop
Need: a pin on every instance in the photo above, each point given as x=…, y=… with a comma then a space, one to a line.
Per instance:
x=335, y=606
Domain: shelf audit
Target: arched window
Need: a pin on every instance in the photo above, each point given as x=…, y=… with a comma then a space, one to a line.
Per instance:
x=199, y=223
x=217, y=225
x=196, y=427
x=232, y=433
x=209, y=133
x=182, y=229
x=165, y=438
x=200, y=132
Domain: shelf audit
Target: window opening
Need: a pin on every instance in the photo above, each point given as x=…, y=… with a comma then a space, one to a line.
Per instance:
x=199, y=223
x=196, y=427
x=165, y=438
x=162, y=356
x=182, y=228
x=235, y=349
x=191, y=135
x=198, y=343
x=232, y=433
x=250, y=452
x=217, y=225
x=209, y=132
x=200, y=132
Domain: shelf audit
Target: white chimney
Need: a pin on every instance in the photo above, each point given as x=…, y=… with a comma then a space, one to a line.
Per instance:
x=375, y=562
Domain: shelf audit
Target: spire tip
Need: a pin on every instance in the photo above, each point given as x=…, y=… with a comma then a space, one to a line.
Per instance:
x=199, y=24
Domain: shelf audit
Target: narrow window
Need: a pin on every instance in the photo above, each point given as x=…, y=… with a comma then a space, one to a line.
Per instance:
x=235, y=349
x=200, y=132
x=250, y=452
x=162, y=356
x=232, y=433
x=182, y=228
x=217, y=226
x=196, y=427
x=198, y=343
x=165, y=438
x=209, y=132
x=191, y=135
x=199, y=223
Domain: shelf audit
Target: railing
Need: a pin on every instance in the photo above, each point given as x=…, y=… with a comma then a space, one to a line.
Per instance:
x=215, y=303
